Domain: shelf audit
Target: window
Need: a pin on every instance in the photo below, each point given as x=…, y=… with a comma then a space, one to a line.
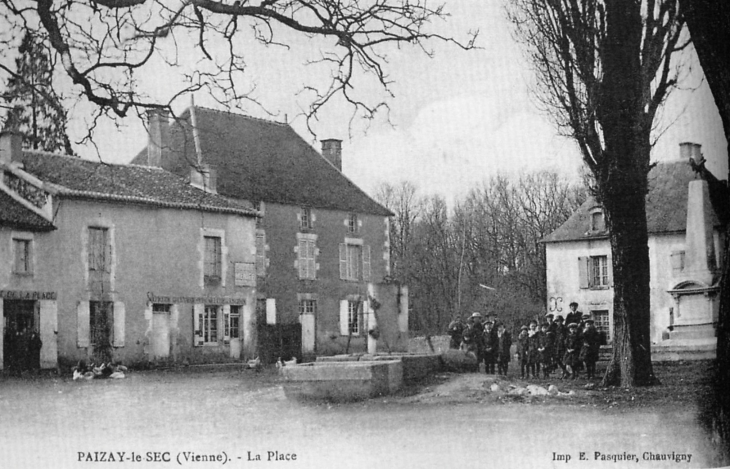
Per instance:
x=305, y=219
x=212, y=270
x=99, y=249
x=354, y=262
x=233, y=323
x=260, y=254
x=307, y=306
x=210, y=325
x=352, y=223
x=307, y=253
x=599, y=271
x=594, y=272
x=23, y=260
x=677, y=260
x=353, y=317
x=160, y=308
x=598, y=223
x=602, y=323
x=101, y=318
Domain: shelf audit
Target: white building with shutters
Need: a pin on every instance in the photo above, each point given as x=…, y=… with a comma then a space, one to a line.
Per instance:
x=686, y=211
x=121, y=262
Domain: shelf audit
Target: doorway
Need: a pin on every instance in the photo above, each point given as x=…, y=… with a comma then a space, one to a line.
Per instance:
x=20, y=321
x=160, y=331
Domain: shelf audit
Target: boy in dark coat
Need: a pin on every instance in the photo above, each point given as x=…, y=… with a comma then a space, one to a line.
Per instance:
x=533, y=353
x=489, y=352
x=589, y=350
x=456, y=329
x=560, y=333
x=547, y=350
x=504, y=342
x=522, y=350
x=573, y=345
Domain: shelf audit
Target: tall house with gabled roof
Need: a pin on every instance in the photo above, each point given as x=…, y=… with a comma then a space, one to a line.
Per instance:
x=322, y=244
x=120, y=262
x=686, y=211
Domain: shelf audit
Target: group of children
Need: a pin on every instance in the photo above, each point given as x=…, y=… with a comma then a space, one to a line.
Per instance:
x=551, y=346
x=554, y=345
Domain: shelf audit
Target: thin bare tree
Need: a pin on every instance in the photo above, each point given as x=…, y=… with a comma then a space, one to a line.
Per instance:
x=603, y=69
x=104, y=46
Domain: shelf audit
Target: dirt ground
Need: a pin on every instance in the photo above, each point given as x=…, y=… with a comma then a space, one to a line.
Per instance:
x=170, y=418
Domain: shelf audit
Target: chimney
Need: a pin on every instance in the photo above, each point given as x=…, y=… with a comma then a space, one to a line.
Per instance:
x=332, y=151
x=158, y=129
x=11, y=146
x=699, y=247
x=205, y=177
x=691, y=150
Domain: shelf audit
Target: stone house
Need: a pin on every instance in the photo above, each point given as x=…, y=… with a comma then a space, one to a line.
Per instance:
x=686, y=211
x=322, y=244
x=121, y=261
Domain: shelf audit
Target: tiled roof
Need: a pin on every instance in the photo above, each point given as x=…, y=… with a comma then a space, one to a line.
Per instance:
x=263, y=160
x=78, y=178
x=666, y=204
x=14, y=215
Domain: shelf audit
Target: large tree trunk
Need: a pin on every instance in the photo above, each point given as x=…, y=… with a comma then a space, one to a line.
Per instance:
x=622, y=186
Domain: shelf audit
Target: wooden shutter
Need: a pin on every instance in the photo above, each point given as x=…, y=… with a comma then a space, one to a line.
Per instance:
x=48, y=331
x=226, y=323
x=302, y=258
x=107, y=252
x=198, y=311
x=344, y=317
x=584, y=272
x=343, y=261
x=311, y=265
x=83, y=325
x=609, y=270
x=119, y=318
x=270, y=310
x=366, y=262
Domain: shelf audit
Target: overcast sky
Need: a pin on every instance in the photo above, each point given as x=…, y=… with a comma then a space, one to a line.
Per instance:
x=457, y=118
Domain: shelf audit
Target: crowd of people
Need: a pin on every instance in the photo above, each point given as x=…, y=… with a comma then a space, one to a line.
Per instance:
x=569, y=344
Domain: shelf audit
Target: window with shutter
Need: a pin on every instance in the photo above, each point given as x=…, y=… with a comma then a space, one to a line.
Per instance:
x=210, y=325
x=599, y=271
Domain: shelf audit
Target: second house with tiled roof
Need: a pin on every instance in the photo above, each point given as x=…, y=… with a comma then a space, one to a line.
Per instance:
x=323, y=254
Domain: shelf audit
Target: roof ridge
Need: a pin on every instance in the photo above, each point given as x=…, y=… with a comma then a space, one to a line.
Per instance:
x=285, y=124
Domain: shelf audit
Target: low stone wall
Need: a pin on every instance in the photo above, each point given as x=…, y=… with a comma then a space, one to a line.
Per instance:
x=420, y=344
x=342, y=380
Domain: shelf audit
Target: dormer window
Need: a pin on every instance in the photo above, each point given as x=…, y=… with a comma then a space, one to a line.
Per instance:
x=598, y=223
x=352, y=223
x=305, y=219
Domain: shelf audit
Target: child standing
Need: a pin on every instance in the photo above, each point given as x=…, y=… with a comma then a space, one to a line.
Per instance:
x=522, y=350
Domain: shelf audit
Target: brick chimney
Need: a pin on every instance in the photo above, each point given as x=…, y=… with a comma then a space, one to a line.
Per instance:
x=332, y=151
x=158, y=129
x=11, y=146
x=699, y=246
x=205, y=177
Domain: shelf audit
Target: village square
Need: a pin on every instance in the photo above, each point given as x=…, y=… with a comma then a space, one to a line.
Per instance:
x=211, y=257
